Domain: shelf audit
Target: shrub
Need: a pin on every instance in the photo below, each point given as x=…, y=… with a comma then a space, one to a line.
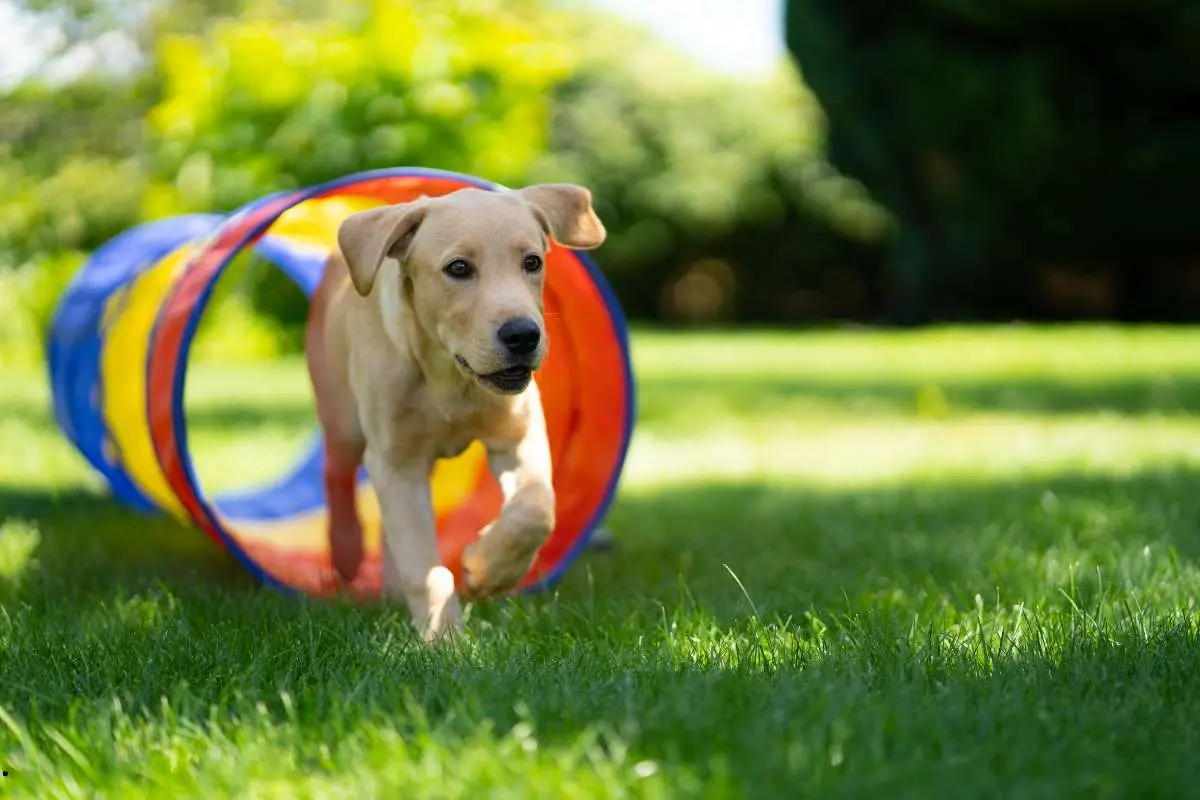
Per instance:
x=1013, y=140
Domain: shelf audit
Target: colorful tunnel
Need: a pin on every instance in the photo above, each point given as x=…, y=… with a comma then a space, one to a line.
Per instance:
x=118, y=357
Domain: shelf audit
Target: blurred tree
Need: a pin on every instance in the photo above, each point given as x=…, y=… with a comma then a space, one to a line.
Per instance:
x=277, y=96
x=267, y=101
x=718, y=200
x=1016, y=141
x=74, y=149
x=69, y=162
x=700, y=179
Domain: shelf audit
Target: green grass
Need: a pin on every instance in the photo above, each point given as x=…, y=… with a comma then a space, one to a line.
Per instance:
x=950, y=563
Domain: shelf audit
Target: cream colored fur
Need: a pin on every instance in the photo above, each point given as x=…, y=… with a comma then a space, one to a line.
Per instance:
x=407, y=362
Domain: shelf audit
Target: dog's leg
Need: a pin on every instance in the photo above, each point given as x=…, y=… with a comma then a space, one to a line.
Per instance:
x=344, y=530
x=344, y=442
x=507, y=547
x=412, y=566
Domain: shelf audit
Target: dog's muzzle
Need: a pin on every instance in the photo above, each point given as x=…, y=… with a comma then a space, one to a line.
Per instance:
x=510, y=380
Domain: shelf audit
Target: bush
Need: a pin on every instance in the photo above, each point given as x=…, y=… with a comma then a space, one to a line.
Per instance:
x=715, y=193
x=267, y=102
x=1016, y=141
x=28, y=299
x=718, y=200
x=70, y=166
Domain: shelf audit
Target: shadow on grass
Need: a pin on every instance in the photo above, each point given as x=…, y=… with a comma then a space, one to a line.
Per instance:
x=34, y=414
x=664, y=399
x=298, y=415
x=91, y=546
x=915, y=548
x=743, y=548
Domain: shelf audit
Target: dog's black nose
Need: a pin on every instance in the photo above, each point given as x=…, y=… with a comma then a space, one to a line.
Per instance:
x=520, y=336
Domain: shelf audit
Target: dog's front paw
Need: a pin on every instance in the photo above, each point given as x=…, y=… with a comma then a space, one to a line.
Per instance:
x=436, y=611
x=438, y=614
x=491, y=566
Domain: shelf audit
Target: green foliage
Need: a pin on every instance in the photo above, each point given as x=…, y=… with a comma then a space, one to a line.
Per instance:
x=703, y=180
x=716, y=196
x=1008, y=137
x=70, y=164
x=84, y=203
x=266, y=102
x=670, y=151
x=273, y=98
x=28, y=298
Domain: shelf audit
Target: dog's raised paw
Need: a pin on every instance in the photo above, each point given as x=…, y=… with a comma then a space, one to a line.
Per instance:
x=490, y=572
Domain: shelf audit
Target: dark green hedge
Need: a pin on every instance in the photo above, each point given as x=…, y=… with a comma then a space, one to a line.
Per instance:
x=1016, y=140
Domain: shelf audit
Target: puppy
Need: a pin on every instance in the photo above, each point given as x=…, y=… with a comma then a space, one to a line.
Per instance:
x=423, y=336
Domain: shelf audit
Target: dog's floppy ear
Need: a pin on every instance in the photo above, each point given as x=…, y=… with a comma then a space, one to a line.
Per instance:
x=366, y=238
x=565, y=211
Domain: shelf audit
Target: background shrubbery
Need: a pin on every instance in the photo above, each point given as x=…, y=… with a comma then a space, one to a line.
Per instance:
x=1032, y=161
x=719, y=203
x=1040, y=157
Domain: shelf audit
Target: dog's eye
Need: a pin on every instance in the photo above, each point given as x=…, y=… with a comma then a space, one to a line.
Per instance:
x=532, y=263
x=459, y=269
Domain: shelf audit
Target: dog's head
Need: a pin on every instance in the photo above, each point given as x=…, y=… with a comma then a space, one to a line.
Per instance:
x=472, y=264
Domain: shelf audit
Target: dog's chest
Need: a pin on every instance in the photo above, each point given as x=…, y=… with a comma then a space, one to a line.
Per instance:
x=451, y=447
x=449, y=425
x=450, y=437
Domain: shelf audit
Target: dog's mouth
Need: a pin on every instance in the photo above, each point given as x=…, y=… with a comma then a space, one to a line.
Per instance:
x=508, y=381
x=512, y=380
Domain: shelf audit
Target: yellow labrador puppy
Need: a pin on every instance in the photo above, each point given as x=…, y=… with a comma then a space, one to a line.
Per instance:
x=422, y=337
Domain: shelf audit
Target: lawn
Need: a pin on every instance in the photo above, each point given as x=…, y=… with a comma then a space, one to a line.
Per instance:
x=956, y=563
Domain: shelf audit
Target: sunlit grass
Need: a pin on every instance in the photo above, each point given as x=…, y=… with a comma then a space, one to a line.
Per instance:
x=948, y=563
x=1069, y=352
x=845, y=454
x=18, y=541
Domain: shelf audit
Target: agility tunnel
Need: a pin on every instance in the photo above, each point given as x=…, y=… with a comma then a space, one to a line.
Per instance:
x=118, y=350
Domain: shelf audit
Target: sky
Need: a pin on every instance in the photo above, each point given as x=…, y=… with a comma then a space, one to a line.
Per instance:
x=738, y=37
